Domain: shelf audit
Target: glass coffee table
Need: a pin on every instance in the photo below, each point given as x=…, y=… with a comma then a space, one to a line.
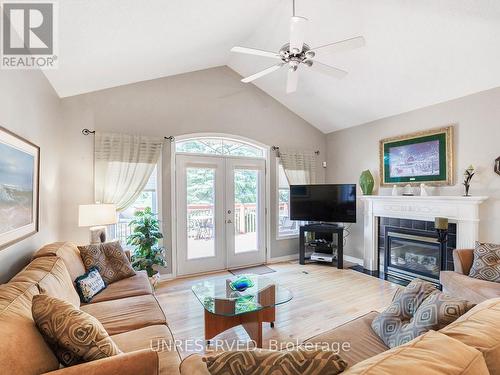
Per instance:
x=226, y=307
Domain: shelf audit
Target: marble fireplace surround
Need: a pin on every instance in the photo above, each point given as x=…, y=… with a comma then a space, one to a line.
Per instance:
x=464, y=211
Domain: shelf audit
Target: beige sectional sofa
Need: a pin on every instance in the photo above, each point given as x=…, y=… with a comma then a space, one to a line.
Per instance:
x=469, y=346
x=458, y=283
x=128, y=310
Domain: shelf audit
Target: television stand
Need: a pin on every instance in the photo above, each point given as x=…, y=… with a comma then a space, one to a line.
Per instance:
x=325, y=234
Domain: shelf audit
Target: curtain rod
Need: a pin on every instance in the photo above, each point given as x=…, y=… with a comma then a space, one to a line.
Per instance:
x=277, y=148
x=89, y=132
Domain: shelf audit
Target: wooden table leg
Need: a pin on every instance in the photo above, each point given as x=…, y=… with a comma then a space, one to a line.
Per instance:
x=252, y=323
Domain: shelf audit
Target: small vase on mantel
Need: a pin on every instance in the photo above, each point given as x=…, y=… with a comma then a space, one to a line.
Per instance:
x=366, y=182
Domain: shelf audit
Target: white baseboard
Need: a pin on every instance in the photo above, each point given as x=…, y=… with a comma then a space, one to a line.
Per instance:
x=285, y=258
x=353, y=260
x=167, y=276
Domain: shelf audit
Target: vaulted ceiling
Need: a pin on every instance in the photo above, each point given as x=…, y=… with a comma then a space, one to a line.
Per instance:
x=418, y=53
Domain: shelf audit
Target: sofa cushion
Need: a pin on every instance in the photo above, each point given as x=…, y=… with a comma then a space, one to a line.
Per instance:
x=127, y=314
x=389, y=324
x=52, y=277
x=137, y=285
x=23, y=351
x=74, y=335
x=89, y=285
x=469, y=288
x=435, y=312
x=259, y=361
x=480, y=328
x=431, y=354
x=486, y=265
x=68, y=252
x=109, y=258
x=157, y=337
x=353, y=348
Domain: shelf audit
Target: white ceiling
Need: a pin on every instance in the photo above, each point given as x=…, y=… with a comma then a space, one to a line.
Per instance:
x=418, y=53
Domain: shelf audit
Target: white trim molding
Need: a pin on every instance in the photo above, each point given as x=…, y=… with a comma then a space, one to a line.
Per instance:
x=461, y=210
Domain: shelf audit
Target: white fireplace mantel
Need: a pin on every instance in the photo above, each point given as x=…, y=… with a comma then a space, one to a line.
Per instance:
x=464, y=211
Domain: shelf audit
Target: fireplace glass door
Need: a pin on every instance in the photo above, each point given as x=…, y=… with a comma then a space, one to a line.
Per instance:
x=411, y=256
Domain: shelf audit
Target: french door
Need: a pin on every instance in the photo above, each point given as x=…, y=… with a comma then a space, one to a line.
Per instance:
x=220, y=209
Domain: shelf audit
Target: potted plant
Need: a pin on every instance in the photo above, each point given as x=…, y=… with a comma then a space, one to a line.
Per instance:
x=144, y=238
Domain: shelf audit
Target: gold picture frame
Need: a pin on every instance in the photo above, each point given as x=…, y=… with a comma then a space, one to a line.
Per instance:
x=442, y=176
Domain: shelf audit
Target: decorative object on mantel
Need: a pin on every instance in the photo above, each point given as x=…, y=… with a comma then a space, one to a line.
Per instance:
x=408, y=191
x=423, y=190
x=468, y=174
x=20, y=166
x=441, y=225
x=366, y=182
x=418, y=157
x=497, y=165
x=394, y=191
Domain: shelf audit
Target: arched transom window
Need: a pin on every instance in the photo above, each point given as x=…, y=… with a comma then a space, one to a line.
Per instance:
x=218, y=146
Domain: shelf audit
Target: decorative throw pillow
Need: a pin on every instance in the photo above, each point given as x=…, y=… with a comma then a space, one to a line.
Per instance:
x=396, y=327
x=486, y=265
x=110, y=260
x=74, y=335
x=256, y=362
x=89, y=284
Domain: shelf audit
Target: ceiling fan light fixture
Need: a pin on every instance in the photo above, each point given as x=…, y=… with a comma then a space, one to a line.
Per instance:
x=296, y=52
x=310, y=54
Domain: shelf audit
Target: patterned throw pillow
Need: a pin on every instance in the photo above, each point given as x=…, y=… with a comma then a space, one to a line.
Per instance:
x=89, y=284
x=110, y=260
x=430, y=310
x=73, y=335
x=267, y=362
x=486, y=265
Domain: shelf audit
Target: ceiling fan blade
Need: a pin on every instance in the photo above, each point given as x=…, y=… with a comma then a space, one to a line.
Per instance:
x=297, y=34
x=262, y=73
x=257, y=52
x=343, y=45
x=329, y=70
x=292, y=81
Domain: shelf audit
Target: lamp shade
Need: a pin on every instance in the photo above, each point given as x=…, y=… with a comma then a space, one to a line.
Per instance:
x=90, y=215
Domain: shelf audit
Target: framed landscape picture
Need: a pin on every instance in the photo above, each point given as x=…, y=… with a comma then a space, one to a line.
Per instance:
x=19, y=174
x=424, y=157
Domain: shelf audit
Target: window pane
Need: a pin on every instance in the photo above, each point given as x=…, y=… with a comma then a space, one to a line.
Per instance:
x=147, y=198
x=200, y=146
x=286, y=226
x=246, y=193
x=241, y=149
x=200, y=185
x=218, y=146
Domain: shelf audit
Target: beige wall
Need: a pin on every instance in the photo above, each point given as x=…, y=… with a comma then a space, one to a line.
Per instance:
x=477, y=142
x=30, y=108
x=212, y=100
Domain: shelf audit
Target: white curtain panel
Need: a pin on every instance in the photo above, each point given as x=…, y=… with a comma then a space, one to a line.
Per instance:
x=122, y=166
x=300, y=167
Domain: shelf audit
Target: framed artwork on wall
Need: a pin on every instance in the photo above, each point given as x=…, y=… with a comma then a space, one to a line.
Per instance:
x=423, y=157
x=19, y=185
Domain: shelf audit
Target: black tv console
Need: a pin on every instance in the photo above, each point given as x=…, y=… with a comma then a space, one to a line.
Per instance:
x=325, y=233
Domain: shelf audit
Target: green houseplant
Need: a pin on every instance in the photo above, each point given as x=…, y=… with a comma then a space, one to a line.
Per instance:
x=144, y=238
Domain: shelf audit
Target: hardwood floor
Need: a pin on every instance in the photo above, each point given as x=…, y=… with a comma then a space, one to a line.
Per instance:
x=324, y=298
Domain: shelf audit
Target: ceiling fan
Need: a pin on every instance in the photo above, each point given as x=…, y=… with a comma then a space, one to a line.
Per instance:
x=296, y=52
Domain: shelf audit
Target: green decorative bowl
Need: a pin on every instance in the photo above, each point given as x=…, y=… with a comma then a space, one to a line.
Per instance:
x=241, y=284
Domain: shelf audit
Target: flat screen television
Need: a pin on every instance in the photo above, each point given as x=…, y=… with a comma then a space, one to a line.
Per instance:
x=327, y=203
